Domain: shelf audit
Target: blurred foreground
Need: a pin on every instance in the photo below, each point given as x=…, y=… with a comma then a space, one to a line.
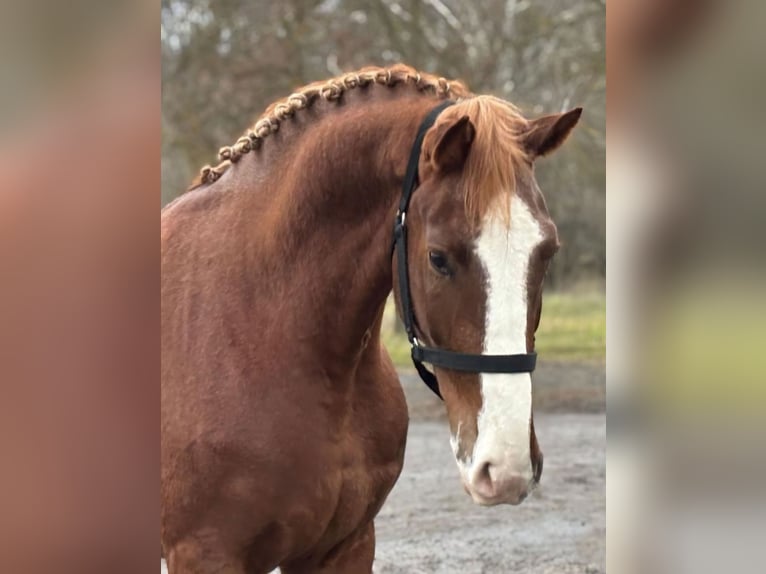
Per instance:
x=686, y=326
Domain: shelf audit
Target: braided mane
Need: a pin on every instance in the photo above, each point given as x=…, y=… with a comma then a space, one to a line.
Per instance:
x=330, y=90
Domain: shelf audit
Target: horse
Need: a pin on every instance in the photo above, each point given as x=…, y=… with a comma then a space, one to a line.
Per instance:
x=283, y=419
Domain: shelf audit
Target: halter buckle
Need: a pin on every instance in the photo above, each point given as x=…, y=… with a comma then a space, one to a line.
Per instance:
x=401, y=217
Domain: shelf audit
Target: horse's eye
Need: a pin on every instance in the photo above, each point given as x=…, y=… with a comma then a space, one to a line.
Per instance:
x=439, y=262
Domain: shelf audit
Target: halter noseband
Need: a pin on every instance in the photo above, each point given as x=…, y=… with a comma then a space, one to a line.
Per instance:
x=520, y=363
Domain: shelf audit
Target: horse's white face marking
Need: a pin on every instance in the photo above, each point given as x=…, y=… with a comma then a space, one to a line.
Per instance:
x=463, y=464
x=503, y=422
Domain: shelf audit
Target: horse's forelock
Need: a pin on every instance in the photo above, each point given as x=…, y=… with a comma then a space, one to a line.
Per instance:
x=488, y=180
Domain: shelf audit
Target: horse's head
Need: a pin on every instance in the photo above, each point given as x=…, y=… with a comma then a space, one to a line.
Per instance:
x=480, y=241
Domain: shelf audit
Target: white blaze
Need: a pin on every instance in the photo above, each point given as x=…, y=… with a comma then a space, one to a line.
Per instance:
x=503, y=422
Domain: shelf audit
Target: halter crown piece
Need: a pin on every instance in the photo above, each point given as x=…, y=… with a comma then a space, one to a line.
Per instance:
x=519, y=363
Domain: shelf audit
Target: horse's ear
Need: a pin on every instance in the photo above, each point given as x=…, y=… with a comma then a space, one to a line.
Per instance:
x=453, y=142
x=547, y=133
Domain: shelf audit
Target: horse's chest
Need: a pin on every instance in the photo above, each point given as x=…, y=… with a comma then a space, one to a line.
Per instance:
x=371, y=454
x=333, y=470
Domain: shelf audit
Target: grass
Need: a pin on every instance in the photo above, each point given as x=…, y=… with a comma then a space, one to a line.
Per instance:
x=572, y=328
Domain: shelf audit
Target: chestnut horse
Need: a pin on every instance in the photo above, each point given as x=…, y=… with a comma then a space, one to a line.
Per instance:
x=283, y=420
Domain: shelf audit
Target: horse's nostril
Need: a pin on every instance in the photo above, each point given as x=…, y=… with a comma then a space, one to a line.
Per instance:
x=484, y=472
x=483, y=480
x=538, y=468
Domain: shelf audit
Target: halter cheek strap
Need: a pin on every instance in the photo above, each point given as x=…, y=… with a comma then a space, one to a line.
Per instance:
x=519, y=363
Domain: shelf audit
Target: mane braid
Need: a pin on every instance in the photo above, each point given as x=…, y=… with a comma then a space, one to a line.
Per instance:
x=329, y=90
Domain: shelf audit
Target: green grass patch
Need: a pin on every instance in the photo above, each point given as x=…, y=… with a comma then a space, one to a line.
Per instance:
x=572, y=328
x=396, y=343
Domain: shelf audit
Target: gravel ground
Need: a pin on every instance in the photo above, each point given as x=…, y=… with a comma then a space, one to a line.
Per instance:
x=429, y=524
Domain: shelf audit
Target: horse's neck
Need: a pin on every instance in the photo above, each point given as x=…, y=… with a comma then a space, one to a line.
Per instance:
x=338, y=187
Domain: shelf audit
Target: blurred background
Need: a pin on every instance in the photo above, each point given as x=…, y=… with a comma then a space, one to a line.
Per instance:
x=685, y=283
x=79, y=286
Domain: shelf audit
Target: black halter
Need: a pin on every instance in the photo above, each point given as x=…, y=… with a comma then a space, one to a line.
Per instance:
x=521, y=363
